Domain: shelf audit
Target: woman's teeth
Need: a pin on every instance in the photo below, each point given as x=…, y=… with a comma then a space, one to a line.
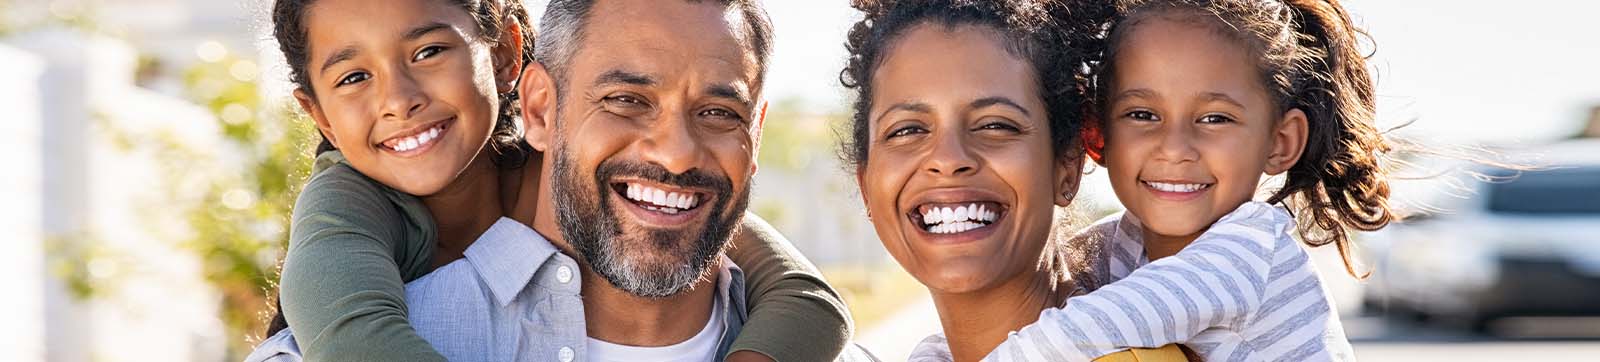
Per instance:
x=1172, y=187
x=403, y=144
x=946, y=220
x=655, y=199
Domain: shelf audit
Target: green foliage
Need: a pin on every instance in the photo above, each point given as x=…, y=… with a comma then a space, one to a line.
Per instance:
x=240, y=225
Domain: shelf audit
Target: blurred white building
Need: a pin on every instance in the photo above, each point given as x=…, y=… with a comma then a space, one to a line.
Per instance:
x=86, y=203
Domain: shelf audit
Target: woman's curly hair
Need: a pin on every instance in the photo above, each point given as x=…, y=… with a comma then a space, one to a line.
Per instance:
x=1056, y=37
x=1310, y=60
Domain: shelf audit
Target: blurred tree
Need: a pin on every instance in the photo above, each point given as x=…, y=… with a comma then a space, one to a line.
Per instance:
x=240, y=226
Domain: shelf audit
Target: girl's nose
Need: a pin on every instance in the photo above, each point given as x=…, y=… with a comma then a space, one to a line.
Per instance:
x=402, y=98
x=1177, y=144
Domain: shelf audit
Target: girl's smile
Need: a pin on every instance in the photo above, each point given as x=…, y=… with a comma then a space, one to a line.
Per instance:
x=416, y=141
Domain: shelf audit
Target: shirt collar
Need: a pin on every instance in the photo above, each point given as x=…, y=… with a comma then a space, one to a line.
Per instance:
x=507, y=256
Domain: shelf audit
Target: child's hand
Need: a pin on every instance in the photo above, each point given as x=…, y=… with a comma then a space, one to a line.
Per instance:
x=748, y=356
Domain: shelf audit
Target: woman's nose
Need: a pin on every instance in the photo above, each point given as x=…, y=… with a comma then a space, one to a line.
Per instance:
x=950, y=156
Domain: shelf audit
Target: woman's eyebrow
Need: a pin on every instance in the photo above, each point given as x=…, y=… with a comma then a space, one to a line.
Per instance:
x=999, y=100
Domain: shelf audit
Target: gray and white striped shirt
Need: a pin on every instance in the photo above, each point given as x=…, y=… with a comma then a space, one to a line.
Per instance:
x=1245, y=290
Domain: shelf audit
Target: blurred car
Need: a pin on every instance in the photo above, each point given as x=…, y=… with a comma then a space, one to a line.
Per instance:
x=1518, y=244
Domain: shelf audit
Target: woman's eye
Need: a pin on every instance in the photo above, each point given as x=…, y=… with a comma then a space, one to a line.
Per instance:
x=427, y=52
x=1215, y=118
x=906, y=131
x=353, y=78
x=998, y=126
x=1143, y=115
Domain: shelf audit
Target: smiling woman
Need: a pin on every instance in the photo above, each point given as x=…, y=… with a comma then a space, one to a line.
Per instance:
x=962, y=172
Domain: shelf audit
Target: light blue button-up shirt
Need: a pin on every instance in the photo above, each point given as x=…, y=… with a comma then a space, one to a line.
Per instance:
x=514, y=297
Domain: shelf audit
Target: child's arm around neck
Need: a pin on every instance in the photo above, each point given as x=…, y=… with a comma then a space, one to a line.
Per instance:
x=353, y=245
x=1245, y=278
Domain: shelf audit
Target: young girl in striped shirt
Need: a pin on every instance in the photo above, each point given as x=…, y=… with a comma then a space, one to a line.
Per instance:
x=1199, y=99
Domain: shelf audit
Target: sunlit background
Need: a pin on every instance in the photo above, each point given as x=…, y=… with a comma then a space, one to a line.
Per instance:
x=149, y=158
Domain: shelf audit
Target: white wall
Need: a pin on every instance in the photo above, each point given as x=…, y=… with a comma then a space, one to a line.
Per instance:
x=94, y=193
x=22, y=256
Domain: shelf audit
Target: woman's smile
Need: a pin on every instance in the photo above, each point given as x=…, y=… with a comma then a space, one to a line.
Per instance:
x=953, y=216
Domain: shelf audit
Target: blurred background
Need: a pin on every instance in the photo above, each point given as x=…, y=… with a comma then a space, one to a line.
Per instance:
x=150, y=156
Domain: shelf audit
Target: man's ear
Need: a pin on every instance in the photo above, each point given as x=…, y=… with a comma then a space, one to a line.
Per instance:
x=1288, y=141
x=1069, y=175
x=538, y=103
x=508, y=57
x=759, y=124
x=310, y=105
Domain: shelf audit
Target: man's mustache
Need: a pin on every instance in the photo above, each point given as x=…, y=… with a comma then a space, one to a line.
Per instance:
x=691, y=179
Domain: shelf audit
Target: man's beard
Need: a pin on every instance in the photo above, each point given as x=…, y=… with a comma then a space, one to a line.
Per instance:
x=646, y=263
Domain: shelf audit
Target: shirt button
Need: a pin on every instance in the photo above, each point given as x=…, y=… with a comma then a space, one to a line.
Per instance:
x=564, y=274
x=566, y=354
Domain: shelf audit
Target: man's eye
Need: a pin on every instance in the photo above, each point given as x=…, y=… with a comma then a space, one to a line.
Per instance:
x=721, y=113
x=1143, y=115
x=1215, y=118
x=353, y=78
x=427, y=52
x=906, y=131
x=624, y=100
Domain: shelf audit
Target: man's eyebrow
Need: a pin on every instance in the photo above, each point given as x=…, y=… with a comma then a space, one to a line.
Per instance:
x=910, y=106
x=618, y=76
x=991, y=101
x=341, y=55
x=730, y=92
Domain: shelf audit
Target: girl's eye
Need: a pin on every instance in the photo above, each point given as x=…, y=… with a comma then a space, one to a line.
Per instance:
x=427, y=52
x=1215, y=118
x=353, y=78
x=1143, y=115
x=906, y=131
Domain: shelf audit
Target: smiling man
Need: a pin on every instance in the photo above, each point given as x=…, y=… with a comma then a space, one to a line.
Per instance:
x=647, y=117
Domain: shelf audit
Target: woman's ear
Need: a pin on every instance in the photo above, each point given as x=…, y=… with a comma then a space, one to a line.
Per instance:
x=1069, y=174
x=310, y=105
x=1288, y=142
x=508, y=57
x=538, y=103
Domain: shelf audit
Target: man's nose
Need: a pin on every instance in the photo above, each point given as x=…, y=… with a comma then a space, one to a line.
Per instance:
x=671, y=144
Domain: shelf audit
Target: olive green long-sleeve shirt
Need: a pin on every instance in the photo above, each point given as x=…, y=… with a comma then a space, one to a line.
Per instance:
x=354, y=243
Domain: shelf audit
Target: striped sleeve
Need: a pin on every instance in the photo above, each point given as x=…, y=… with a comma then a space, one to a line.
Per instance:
x=1216, y=281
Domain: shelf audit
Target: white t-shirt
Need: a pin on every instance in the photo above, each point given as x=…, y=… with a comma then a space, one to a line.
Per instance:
x=701, y=347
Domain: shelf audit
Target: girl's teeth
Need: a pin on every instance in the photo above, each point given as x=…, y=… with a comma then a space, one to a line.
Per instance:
x=1171, y=187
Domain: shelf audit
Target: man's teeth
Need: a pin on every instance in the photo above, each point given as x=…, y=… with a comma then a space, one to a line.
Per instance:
x=416, y=140
x=658, y=200
x=946, y=220
x=1172, y=187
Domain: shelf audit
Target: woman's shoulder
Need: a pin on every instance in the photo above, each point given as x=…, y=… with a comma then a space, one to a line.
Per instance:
x=934, y=348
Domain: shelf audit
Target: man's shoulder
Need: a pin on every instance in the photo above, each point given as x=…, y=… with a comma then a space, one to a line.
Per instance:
x=279, y=347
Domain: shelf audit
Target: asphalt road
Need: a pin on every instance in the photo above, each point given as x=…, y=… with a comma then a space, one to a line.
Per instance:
x=1517, y=339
